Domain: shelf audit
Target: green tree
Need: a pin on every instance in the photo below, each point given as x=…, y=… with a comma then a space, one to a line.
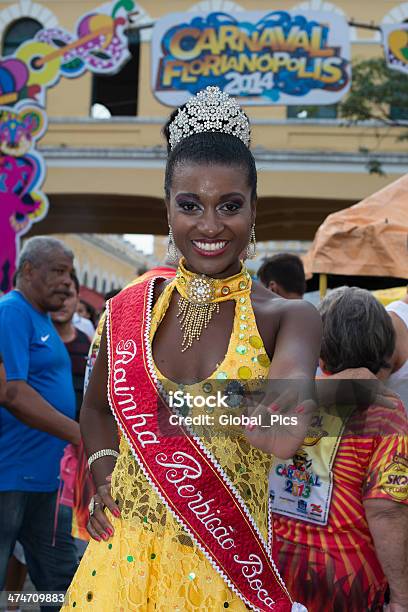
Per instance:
x=379, y=94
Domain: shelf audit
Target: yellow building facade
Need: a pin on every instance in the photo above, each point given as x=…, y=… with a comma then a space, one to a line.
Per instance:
x=104, y=262
x=105, y=173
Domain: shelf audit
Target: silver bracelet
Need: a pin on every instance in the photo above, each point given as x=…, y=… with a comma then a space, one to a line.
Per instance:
x=105, y=452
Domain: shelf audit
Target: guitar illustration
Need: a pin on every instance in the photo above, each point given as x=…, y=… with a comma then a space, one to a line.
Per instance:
x=99, y=47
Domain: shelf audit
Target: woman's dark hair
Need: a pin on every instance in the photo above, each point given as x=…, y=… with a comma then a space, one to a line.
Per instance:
x=90, y=310
x=357, y=331
x=208, y=148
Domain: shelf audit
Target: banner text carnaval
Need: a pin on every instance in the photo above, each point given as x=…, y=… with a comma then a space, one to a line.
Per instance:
x=272, y=58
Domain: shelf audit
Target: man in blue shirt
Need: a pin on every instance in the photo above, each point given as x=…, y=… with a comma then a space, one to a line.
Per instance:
x=37, y=416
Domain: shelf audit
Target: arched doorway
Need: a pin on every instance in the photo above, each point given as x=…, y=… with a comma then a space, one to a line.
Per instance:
x=18, y=32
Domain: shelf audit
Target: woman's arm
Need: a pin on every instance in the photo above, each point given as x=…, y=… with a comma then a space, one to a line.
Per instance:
x=99, y=431
x=291, y=373
x=388, y=523
x=297, y=346
x=354, y=387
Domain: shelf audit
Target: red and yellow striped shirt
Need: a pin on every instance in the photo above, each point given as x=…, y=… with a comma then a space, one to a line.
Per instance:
x=335, y=567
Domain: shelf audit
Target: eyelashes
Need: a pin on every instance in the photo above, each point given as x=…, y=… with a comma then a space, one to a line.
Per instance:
x=188, y=206
x=230, y=207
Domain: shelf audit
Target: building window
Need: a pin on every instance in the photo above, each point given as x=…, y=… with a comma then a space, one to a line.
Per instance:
x=95, y=283
x=116, y=95
x=328, y=111
x=399, y=113
x=85, y=279
x=103, y=290
x=18, y=32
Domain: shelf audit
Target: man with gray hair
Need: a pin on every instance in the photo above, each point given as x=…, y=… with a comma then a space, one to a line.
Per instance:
x=395, y=377
x=36, y=416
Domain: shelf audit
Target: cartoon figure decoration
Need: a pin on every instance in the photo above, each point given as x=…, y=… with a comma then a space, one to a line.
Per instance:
x=99, y=45
x=395, y=39
x=301, y=460
x=21, y=175
x=14, y=81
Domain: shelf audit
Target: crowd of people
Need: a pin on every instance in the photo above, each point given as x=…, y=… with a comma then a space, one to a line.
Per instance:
x=306, y=517
x=38, y=319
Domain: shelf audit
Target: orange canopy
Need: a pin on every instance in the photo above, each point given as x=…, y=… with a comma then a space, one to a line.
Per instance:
x=367, y=239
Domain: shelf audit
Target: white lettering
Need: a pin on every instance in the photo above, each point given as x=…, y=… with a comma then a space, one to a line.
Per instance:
x=188, y=487
x=251, y=568
x=174, y=419
x=204, y=506
x=177, y=464
x=150, y=438
x=141, y=420
x=222, y=400
x=177, y=399
x=119, y=375
x=127, y=350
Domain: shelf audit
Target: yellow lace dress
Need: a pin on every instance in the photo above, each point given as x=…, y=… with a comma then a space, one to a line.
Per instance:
x=151, y=563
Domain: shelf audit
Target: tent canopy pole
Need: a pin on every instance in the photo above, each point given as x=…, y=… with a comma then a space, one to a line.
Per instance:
x=322, y=285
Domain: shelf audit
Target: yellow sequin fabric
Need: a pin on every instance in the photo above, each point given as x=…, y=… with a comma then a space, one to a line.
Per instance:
x=151, y=563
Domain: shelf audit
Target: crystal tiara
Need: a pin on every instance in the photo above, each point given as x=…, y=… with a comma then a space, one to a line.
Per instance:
x=211, y=110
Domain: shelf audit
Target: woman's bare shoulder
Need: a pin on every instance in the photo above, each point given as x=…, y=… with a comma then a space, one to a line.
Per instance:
x=159, y=287
x=270, y=303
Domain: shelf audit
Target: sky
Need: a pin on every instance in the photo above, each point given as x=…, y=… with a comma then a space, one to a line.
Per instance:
x=144, y=242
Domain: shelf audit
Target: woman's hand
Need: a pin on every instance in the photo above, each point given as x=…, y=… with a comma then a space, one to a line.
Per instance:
x=290, y=385
x=99, y=525
x=282, y=417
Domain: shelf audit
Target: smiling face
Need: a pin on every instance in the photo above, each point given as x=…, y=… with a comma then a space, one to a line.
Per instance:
x=211, y=214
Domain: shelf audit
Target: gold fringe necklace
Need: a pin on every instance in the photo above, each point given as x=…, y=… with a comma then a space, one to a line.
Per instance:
x=200, y=297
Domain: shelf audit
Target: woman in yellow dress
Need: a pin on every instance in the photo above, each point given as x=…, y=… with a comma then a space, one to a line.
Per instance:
x=183, y=521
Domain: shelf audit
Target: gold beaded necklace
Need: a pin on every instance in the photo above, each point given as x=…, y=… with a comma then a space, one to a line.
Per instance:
x=200, y=296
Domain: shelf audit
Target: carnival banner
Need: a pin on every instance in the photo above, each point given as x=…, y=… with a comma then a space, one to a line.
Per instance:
x=22, y=171
x=268, y=58
x=395, y=40
x=99, y=45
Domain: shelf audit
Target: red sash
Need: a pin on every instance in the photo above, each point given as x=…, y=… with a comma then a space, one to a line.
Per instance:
x=182, y=472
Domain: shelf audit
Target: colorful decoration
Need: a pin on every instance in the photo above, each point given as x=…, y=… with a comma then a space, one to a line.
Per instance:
x=99, y=45
x=396, y=46
x=13, y=81
x=22, y=172
x=302, y=57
